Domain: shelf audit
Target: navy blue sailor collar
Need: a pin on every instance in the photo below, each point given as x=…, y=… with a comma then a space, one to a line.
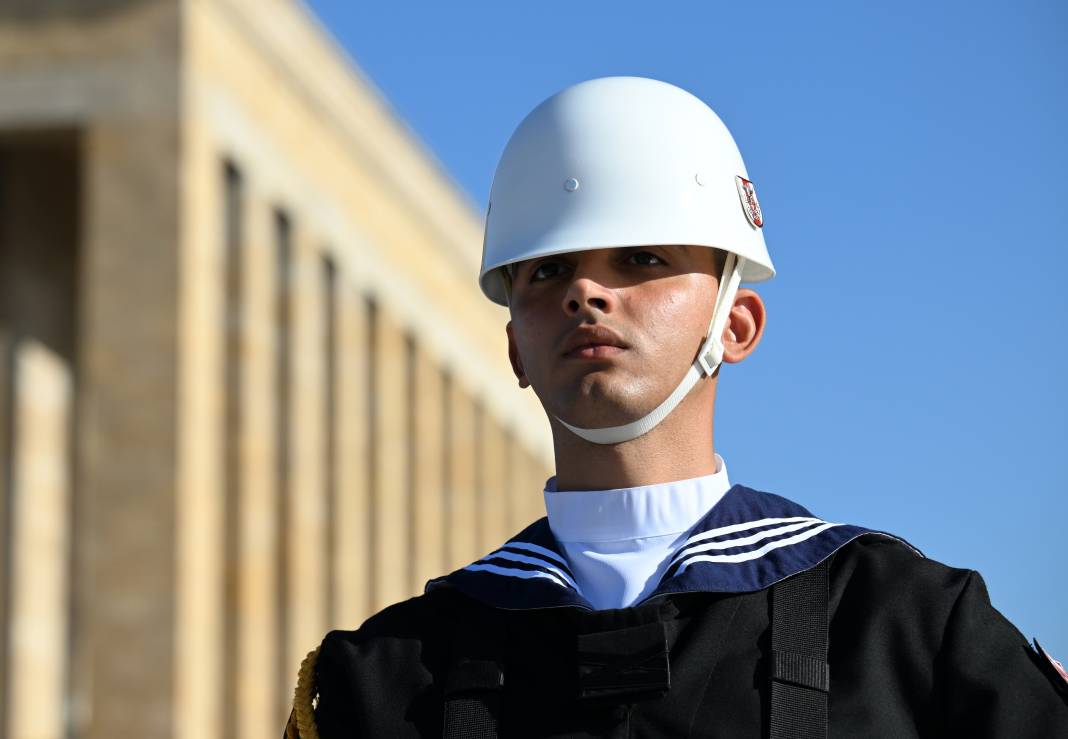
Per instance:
x=748, y=541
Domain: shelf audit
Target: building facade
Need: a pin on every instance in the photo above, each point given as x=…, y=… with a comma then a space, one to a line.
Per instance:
x=249, y=390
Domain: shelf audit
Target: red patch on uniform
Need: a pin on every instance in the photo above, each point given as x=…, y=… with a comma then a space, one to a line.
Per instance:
x=750, y=204
x=1056, y=665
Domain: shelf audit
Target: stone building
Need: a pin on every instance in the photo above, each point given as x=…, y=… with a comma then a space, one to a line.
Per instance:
x=249, y=390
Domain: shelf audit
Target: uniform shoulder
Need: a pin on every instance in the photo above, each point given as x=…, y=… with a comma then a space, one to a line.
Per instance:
x=394, y=655
x=931, y=631
x=368, y=679
x=420, y=618
x=884, y=568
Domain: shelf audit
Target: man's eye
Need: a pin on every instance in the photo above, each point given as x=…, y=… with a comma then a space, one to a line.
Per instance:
x=644, y=257
x=545, y=270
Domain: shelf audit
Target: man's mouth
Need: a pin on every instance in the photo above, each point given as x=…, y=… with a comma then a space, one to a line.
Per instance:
x=594, y=351
x=593, y=342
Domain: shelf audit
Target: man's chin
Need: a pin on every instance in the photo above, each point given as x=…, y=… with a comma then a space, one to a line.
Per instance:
x=596, y=414
x=599, y=400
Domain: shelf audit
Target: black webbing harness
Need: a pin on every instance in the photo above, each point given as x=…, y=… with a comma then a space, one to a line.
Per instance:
x=473, y=685
x=799, y=673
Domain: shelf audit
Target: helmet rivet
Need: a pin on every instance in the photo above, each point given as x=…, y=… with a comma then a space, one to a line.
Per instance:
x=699, y=180
x=571, y=184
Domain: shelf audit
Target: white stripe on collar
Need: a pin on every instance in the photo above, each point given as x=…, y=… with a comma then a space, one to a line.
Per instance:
x=746, y=542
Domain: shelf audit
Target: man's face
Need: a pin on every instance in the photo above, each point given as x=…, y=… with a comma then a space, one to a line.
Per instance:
x=604, y=336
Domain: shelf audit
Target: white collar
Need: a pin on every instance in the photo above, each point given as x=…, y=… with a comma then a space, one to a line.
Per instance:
x=633, y=513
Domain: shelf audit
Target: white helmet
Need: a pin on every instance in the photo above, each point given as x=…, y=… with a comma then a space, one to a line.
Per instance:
x=625, y=161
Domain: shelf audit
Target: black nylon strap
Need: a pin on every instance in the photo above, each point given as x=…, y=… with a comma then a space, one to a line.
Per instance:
x=800, y=675
x=473, y=685
x=808, y=672
x=628, y=663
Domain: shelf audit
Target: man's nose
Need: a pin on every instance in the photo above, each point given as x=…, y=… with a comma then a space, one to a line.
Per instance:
x=586, y=294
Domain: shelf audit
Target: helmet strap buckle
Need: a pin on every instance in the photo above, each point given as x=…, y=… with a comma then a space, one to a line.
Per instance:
x=710, y=358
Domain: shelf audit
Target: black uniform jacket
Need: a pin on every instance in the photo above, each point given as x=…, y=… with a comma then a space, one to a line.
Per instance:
x=916, y=649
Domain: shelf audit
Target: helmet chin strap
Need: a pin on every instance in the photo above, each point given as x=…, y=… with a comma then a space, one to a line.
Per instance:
x=708, y=359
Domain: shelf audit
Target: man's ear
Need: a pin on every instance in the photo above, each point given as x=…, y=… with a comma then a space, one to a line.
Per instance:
x=744, y=327
x=514, y=358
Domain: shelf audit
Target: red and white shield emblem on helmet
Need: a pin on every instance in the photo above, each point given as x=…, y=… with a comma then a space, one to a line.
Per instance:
x=750, y=204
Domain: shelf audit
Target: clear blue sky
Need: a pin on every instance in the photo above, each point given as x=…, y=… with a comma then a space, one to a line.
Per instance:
x=911, y=164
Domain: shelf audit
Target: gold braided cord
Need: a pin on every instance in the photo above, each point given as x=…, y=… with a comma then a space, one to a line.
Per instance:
x=304, y=697
x=291, y=727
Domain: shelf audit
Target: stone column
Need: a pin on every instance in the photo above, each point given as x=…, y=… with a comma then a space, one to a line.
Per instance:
x=130, y=418
x=6, y=398
x=391, y=501
x=429, y=488
x=519, y=487
x=39, y=235
x=462, y=451
x=495, y=487
x=304, y=531
x=352, y=520
x=255, y=709
x=198, y=515
x=40, y=502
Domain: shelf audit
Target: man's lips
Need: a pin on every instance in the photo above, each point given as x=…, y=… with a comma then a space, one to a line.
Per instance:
x=594, y=351
x=593, y=342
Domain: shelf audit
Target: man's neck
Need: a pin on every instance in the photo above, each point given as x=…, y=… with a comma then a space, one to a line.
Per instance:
x=678, y=448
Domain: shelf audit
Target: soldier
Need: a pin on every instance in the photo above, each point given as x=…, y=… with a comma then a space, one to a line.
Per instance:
x=657, y=598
